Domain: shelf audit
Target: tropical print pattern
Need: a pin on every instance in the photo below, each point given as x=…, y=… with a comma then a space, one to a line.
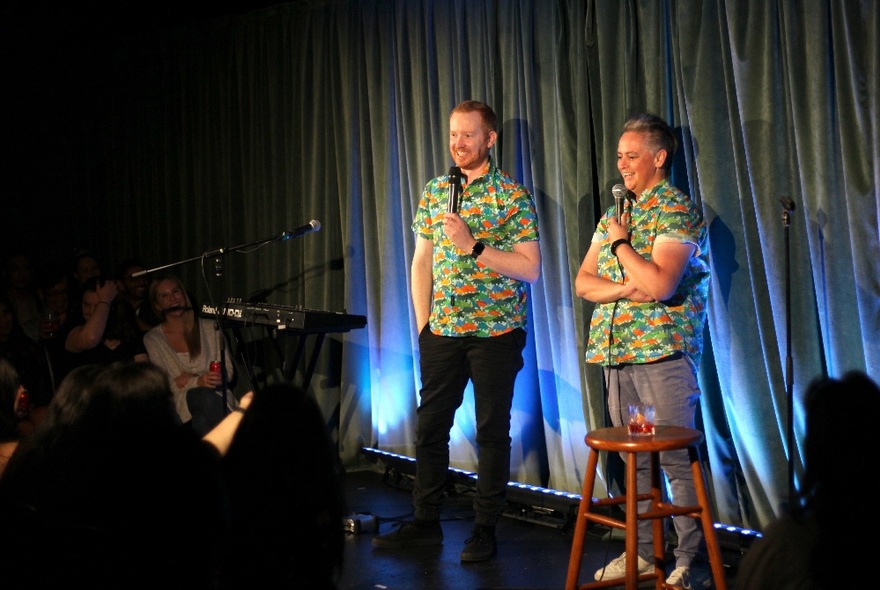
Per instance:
x=470, y=299
x=629, y=332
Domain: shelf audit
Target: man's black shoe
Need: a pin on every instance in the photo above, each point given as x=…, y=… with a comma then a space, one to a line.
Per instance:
x=480, y=546
x=418, y=533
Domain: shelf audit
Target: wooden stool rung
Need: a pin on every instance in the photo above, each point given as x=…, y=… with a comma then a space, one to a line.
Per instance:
x=666, y=438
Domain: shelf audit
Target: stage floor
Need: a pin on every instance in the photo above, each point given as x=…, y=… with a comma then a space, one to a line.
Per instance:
x=533, y=547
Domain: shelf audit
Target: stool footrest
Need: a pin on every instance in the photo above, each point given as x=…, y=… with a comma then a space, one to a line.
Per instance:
x=606, y=520
x=665, y=510
x=658, y=507
x=619, y=500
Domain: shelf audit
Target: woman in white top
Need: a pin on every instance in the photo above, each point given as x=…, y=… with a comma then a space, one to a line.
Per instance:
x=185, y=345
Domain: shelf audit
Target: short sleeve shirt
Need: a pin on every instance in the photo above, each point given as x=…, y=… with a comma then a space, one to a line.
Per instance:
x=470, y=299
x=628, y=332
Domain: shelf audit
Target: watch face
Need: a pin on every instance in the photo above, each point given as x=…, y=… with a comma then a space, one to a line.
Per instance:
x=478, y=249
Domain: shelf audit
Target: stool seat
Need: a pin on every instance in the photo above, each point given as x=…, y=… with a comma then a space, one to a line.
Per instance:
x=618, y=439
x=665, y=438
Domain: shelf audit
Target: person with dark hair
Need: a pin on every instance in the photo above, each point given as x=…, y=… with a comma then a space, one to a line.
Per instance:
x=185, y=346
x=100, y=338
x=113, y=491
x=133, y=289
x=647, y=273
x=282, y=460
x=30, y=363
x=83, y=266
x=805, y=547
x=53, y=286
x=472, y=264
x=19, y=288
x=13, y=403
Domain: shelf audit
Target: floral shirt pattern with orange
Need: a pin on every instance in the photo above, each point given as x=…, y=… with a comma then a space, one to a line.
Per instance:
x=469, y=298
x=628, y=332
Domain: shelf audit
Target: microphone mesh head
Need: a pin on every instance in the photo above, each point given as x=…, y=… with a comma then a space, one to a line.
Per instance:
x=619, y=191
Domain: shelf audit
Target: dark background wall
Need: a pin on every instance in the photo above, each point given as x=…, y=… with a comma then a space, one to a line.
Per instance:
x=47, y=55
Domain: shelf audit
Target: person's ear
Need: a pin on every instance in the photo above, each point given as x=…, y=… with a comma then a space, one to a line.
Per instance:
x=660, y=158
x=493, y=136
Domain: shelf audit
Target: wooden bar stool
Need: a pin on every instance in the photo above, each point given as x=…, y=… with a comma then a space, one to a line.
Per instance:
x=666, y=438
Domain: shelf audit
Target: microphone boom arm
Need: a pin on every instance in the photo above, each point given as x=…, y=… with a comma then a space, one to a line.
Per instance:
x=312, y=226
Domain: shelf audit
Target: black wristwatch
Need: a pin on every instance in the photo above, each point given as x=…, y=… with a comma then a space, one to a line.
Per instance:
x=478, y=249
x=617, y=243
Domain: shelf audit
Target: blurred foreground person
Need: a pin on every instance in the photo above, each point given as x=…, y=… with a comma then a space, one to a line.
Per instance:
x=817, y=545
x=111, y=491
x=285, y=496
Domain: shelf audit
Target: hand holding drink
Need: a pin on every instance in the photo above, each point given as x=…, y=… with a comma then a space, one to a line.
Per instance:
x=49, y=324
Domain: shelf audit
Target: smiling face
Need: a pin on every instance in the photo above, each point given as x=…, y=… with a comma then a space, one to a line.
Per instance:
x=469, y=141
x=133, y=288
x=89, y=303
x=640, y=163
x=169, y=293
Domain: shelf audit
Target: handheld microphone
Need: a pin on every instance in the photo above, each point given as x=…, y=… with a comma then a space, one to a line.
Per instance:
x=313, y=225
x=455, y=177
x=619, y=191
x=174, y=308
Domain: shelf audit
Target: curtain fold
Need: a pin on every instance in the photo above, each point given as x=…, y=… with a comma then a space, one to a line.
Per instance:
x=215, y=135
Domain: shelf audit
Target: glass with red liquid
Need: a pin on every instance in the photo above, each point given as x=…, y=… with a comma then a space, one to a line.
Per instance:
x=641, y=419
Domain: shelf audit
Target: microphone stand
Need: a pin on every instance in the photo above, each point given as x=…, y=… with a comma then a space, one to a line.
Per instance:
x=283, y=236
x=787, y=209
x=217, y=255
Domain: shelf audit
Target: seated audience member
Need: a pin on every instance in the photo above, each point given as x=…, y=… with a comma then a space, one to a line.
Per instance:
x=281, y=460
x=84, y=266
x=101, y=338
x=29, y=362
x=185, y=345
x=21, y=292
x=58, y=319
x=13, y=408
x=112, y=491
x=133, y=290
x=817, y=545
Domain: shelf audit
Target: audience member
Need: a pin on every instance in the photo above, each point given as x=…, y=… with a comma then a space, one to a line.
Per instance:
x=133, y=290
x=101, y=339
x=13, y=407
x=185, y=346
x=112, y=491
x=280, y=461
x=53, y=287
x=30, y=363
x=19, y=288
x=83, y=267
x=816, y=544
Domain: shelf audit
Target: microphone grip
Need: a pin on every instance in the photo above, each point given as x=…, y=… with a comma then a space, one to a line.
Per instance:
x=620, y=203
x=454, y=189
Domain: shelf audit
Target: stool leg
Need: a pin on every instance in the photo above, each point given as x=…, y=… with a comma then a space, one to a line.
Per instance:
x=712, y=547
x=659, y=523
x=580, y=527
x=632, y=524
